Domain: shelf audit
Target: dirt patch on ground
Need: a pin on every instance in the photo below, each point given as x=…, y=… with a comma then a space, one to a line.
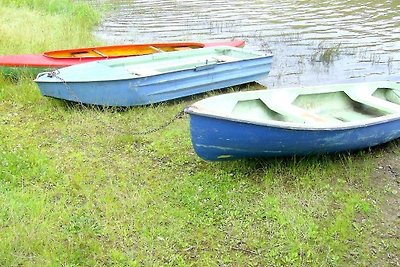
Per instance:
x=386, y=179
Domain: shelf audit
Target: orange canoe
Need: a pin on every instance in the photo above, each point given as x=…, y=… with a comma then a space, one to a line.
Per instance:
x=68, y=57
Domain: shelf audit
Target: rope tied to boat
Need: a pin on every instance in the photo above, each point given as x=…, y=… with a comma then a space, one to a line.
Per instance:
x=53, y=74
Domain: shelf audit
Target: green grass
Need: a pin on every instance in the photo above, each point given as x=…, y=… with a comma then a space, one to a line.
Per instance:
x=79, y=189
x=38, y=25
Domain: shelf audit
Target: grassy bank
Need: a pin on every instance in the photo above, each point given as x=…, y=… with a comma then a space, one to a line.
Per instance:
x=79, y=189
x=31, y=26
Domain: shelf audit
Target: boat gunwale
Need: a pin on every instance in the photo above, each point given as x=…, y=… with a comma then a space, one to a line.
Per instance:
x=297, y=126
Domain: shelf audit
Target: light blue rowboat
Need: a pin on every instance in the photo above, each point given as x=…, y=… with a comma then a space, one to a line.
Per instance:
x=295, y=121
x=154, y=78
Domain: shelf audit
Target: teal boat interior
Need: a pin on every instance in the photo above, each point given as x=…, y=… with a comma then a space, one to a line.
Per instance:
x=199, y=59
x=320, y=106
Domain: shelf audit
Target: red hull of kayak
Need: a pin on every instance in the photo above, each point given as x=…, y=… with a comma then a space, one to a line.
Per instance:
x=42, y=61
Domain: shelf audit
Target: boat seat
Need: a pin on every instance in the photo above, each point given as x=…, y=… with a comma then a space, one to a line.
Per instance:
x=182, y=48
x=156, y=49
x=374, y=102
x=297, y=114
x=142, y=71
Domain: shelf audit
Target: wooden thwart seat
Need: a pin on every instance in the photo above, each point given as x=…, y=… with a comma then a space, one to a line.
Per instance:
x=99, y=53
x=156, y=49
x=182, y=48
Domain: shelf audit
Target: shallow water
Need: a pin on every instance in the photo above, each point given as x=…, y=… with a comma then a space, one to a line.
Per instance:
x=313, y=42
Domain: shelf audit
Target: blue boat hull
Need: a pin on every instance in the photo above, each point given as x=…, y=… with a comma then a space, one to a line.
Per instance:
x=216, y=138
x=157, y=88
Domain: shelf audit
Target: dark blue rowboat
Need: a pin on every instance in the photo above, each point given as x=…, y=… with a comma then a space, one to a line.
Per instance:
x=132, y=81
x=298, y=121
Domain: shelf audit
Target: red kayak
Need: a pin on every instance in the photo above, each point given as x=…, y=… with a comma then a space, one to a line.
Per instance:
x=68, y=57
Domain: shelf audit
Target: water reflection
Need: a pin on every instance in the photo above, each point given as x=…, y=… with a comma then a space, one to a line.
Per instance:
x=313, y=42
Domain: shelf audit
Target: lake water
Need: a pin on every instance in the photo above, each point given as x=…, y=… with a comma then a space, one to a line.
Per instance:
x=313, y=42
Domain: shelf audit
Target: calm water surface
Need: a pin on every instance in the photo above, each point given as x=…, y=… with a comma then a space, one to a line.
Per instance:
x=313, y=42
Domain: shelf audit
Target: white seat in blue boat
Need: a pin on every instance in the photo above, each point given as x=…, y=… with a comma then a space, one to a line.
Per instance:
x=374, y=102
x=295, y=113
